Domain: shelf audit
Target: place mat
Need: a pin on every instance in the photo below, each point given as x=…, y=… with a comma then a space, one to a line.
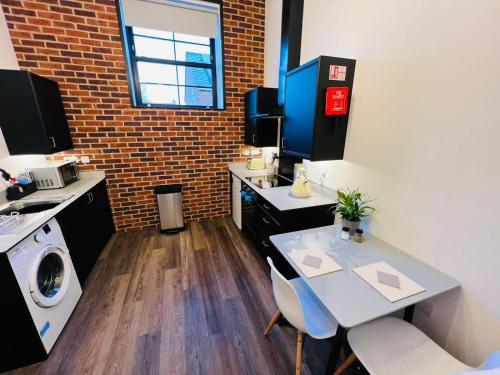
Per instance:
x=408, y=287
x=328, y=265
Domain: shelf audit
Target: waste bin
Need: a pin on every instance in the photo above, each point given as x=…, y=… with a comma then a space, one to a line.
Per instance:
x=169, y=198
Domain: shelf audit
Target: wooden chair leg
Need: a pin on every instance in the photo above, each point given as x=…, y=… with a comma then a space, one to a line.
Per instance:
x=274, y=320
x=300, y=344
x=344, y=366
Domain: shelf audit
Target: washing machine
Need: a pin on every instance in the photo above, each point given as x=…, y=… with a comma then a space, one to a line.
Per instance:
x=47, y=279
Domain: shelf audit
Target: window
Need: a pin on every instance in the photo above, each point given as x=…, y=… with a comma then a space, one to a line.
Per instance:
x=174, y=53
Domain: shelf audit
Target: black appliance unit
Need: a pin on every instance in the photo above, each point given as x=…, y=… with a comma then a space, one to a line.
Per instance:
x=262, y=117
x=307, y=132
x=32, y=116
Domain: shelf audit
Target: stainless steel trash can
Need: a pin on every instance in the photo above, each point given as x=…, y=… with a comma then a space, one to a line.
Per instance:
x=169, y=198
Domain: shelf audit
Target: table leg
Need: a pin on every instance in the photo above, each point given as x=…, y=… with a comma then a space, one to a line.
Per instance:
x=333, y=359
x=408, y=315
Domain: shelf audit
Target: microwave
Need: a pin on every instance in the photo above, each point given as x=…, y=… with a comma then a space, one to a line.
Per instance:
x=55, y=176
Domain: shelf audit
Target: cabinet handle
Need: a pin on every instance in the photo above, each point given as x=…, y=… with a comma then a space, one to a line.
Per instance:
x=283, y=141
x=53, y=142
x=253, y=138
x=266, y=206
x=265, y=220
x=265, y=243
x=90, y=197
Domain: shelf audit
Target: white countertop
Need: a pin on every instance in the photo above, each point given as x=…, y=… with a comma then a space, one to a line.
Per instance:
x=70, y=193
x=280, y=197
x=346, y=295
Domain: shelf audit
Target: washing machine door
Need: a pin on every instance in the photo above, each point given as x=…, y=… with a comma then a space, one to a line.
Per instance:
x=50, y=275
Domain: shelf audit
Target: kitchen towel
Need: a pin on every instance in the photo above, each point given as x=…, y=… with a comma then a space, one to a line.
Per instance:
x=328, y=265
x=408, y=286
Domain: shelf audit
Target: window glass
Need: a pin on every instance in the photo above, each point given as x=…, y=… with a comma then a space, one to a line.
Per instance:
x=154, y=33
x=156, y=73
x=192, y=53
x=192, y=39
x=196, y=96
x=159, y=94
x=155, y=48
x=190, y=76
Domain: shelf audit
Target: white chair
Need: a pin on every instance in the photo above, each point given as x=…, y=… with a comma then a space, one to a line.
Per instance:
x=391, y=346
x=302, y=310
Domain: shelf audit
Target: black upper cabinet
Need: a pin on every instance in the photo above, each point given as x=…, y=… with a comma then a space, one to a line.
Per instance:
x=262, y=117
x=32, y=115
x=307, y=132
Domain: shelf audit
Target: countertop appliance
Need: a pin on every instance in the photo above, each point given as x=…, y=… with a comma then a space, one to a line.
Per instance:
x=55, y=175
x=269, y=181
x=47, y=280
x=262, y=117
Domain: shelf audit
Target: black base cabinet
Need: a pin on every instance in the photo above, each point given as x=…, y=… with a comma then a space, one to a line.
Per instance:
x=87, y=225
x=261, y=220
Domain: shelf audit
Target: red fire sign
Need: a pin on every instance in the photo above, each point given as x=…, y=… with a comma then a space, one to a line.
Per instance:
x=336, y=101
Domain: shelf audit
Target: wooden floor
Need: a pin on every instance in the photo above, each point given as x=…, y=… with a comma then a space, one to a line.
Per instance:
x=192, y=303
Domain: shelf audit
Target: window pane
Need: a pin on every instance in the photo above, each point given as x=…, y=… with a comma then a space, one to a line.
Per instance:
x=156, y=73
x=159, y=94
x=192, y=53
x=155, y=33
x=192, y=38
x=196, y=96
x=195, y=76
x=156, y=48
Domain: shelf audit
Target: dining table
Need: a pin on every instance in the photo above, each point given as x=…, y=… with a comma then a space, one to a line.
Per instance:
x=347, y=296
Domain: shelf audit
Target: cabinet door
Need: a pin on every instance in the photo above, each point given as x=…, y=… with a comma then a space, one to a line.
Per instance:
x=236, y=201
x=75, y=221
x=300, y=108
x=52, y=113
x=100, y=211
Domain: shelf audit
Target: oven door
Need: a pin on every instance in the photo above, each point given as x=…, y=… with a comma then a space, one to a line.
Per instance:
x=68, y=173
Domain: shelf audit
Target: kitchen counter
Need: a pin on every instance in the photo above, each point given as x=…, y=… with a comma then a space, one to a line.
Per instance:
x=71, y=193
x=281, y=197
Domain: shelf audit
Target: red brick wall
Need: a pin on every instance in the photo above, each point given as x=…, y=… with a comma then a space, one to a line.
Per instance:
x=78, y=44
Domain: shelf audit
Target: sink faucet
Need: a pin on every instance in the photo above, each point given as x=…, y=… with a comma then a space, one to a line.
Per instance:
x=5, y=174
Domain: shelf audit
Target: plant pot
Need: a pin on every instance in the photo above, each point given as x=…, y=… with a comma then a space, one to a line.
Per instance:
x=352, y=225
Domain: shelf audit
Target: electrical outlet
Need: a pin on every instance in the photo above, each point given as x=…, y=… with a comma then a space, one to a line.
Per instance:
x=425, y=308
x=71, y=159
x=85, y=160
x=255, y=151
x=246, y=152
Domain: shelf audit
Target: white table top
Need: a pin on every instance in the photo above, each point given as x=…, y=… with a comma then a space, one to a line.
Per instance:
x=349, y=298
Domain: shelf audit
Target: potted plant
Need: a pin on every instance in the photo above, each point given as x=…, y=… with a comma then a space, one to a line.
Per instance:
x=351, y=206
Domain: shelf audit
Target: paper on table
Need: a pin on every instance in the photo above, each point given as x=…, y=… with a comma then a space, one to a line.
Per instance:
x=408, y=286
x=328, y=265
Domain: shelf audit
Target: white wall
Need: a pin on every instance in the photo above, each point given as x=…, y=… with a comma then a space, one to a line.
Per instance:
x=272, y=42
x=423, y=139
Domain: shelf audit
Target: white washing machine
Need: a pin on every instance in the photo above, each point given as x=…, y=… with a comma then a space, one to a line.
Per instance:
x=47, y=278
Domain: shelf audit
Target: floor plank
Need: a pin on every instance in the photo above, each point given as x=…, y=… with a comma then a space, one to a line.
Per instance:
x=192, y=303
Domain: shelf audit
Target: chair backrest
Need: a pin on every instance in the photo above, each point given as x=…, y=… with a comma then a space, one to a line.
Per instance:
x=491, y=366
x=287, y=299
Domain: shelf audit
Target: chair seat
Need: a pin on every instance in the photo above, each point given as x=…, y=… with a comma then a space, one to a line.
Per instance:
x=320, y=323
x=391, y=346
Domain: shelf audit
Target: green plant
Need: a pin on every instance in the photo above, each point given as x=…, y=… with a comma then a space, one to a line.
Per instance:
x=351, y=205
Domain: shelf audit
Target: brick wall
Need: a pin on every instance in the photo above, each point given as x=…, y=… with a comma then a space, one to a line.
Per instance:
x=78, y=44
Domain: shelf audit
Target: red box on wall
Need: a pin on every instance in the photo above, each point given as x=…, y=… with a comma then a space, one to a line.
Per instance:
x=336, y=101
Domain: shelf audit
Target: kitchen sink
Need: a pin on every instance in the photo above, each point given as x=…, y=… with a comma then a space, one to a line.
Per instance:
x=29, y=207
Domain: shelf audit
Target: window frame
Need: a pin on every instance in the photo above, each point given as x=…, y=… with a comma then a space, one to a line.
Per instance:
x=131, y=60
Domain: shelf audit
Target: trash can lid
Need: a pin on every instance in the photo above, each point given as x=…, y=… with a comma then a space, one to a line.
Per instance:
x=168, y=189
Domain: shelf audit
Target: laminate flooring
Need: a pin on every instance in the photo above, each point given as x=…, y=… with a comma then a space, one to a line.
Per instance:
x=192, y=303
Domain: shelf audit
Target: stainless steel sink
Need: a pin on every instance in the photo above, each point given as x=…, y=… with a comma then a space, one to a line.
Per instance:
x=30, y=207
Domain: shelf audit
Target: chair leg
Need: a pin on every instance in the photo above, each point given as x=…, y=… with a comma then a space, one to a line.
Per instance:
x=344, y=366
x=274, y=320
x=300, y=344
